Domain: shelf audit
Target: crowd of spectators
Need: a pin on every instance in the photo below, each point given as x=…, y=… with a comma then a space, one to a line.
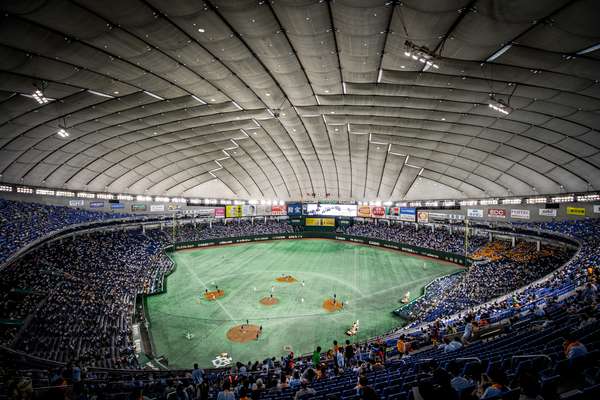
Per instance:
x=190, y=232
x=22, y=222
x=487, y=279
x=440, y=238
x=89, y=283
x=81, y=292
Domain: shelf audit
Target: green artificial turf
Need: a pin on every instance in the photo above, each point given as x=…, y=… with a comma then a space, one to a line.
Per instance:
x=369, y=280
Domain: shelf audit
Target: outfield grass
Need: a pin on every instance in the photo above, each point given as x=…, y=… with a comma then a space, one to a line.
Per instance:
x=371, y=281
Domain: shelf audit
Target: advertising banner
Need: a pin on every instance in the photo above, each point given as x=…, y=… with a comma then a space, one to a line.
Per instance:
x=204, y=211
x=364, y=211
x=219, y=212
x=173, y=207
x=438, y=216
x=332, y=210
x=327, y=221
x=496, y=213
x=474, y=213
x=157, y=207
x=423, y=217
x=313, y=221
x=294, y=209
x=377, y=212
x=76, y=203
x=96, y=204
x=597, y=209
x=248, y=210
x=576, y=211
x=548, y=212
x=233, y=211
x=519, y=214
x=278, y=210
x=263, y=209
x=138, y=207
x=393, y=212
x=408, y=214
x=117, y=206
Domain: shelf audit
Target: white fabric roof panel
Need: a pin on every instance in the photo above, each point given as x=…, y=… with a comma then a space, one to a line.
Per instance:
x=320, y=84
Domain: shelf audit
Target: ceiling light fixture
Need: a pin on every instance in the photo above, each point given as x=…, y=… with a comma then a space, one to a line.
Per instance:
x=153, y=95
x=198, y=99
x=100, y=94
x=39, y=97
x=499, y=106
x=421, y=54
x=62, y=133
x=589, y=49
x=498, y=53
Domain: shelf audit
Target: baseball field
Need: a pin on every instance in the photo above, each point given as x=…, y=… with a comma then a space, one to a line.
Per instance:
x=257, y=300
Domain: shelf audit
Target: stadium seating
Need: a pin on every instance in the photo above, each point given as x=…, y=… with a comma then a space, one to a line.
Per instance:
x=24, y=222
x=77, y=305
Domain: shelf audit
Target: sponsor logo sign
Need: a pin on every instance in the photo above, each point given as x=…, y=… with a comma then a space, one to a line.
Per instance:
x=378, y=212
x=474, y=213
x=364, y=211
x=294, y=209
x=328, y=221
x=248, y=210
x=96, y=204
x=157, y=207
x=496, y=213
x=233, y=211
x=597, y=209
x=408, y=214
x=576, y=211
x=423, y=217
x=138, y=207
x=547, y=212
x=278, y=210
x=313, y=221
x=519, y=214
x=117, y=206
x=76, y=203
x=173, y=207
x=393, y=212
x=436, y=215
x=219, y=212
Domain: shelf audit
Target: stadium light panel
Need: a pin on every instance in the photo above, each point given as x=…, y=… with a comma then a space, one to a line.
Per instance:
x=498, y=53
x=62, y=133
x=153, y=95
x=198, y=99
x=563, y=199
x=536, y=200
x=101, y=94
x=589, y=49
x=588, y=197
x=5, y=188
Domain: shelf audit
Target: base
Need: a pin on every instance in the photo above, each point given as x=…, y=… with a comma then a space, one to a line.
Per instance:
x=243, y=333
x=269, y=301
x=330, y=306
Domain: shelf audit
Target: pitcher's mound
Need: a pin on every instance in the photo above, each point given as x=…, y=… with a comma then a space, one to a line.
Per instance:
x=269, y=301
x=330, y=306
x=243, y=333
x=213, y=295
x=286, y=278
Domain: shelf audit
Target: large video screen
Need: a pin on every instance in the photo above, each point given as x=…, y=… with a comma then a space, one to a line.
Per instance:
x=332, y=210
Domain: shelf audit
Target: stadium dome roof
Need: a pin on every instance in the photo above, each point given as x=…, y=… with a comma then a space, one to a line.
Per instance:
x=284, y=98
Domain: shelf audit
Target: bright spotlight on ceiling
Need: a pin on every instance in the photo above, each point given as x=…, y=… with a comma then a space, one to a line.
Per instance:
x=39, y=97
x=499, y=106
x=421, y=54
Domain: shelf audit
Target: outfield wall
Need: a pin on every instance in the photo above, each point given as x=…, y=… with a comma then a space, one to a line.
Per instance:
x=421, y=251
